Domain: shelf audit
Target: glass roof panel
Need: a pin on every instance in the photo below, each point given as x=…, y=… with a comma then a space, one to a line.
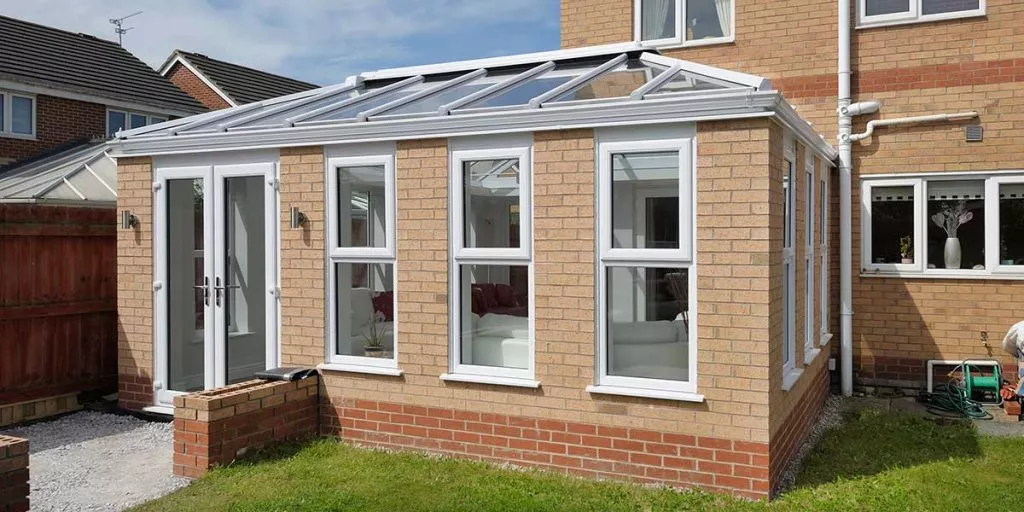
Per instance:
x=522, y=93
x=280, y=117
x=434, y=101
x=616, y=83
x=351, y=111
x=688, y=82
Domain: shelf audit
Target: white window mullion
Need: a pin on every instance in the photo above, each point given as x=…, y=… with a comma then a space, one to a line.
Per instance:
x=809, y=261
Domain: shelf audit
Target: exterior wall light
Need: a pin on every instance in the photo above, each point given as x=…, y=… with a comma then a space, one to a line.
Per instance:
x=129, y=220
x=298, y=219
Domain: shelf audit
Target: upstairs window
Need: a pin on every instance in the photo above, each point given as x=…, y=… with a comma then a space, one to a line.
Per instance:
x=118, y=120
x=683, y=22
x=881, y=12
x=17, y=115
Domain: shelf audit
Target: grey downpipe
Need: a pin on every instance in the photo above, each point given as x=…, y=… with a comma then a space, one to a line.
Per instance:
x=845, y=206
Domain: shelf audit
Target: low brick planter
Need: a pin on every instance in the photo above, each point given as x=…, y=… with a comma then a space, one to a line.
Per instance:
x=13, y=474
x=215, y=427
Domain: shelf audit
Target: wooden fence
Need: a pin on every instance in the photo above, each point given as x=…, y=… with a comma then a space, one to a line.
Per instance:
x=58, y=294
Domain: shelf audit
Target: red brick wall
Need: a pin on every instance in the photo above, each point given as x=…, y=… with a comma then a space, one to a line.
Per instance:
x=58, y=120
x=214, y=427
x=13, y=474
x=794, y=428
x=187, y=81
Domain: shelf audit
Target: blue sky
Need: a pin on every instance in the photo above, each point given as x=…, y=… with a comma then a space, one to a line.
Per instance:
x=321, y=41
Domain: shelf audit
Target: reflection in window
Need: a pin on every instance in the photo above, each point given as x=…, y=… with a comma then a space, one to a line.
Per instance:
x=22, y=114
x=645, y=200
x=956, y=224
x=944, y=6
x=708, y=19
x=614, y=84
x=648, y=311
x=521, y=94
x=1011, y=224
x=362, y=217
x=657, y=19
x=365, y=309
x=892, y=224
x=491, y=189
x=494, y=315
x=116, y=121
x=880, y=7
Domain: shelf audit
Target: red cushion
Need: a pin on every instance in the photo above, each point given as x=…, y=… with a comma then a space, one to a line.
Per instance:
x=490, y=294
x=506, y=295
x=478, y=305
x=384, y=303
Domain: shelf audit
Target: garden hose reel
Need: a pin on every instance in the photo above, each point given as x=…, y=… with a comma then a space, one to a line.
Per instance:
x=976, y=382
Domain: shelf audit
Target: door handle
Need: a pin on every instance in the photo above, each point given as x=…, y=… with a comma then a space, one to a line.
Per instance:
x=206, y=290
x=218, y=289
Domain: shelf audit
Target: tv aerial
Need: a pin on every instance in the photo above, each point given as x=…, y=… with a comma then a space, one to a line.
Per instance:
x=118, y=24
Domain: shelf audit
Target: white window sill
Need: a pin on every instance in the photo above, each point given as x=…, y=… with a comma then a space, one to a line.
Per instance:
x=21, y=136
x=354, y=368
x=810, y=354
x=160, y=409
x=947, y=274
x=825, y=338
x=790, y=377
x=868, y=24
x=690, y=44
x=646, y=393
x=489, y=379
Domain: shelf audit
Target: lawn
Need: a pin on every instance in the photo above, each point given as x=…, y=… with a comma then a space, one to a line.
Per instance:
x=875, y=461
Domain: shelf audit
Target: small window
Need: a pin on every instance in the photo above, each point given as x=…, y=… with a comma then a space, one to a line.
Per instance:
x=156, y=120
x=789, y=264
x=122, y=120
x=116, y=121
x=956, y=224
x=1011, y=223
x=22, y=115
x=138, y=121
x=892, y=225
x=675, y=22
x=881, y=12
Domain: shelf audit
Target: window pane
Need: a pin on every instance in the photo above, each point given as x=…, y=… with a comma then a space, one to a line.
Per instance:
x=878, y=7
x=21, y=115
x=522, y=94
x=362, y=212
x=648, y=322
x=788, y=314
x=138, y=121
x=155, y=120
x=688, y=82
x=808, y=212
x=115, y=121
x=3, y=105
x=365, y=309
x=645, y=200
x=942, y=6
x=434, y=102
x=708, y=19
x=491, y=189
x=494, y=315
x=956, y=224
x=1011, y=224
x=613, y=84
x=892, y=225
x=657, y=19
x=823, y=213
x=787, y=206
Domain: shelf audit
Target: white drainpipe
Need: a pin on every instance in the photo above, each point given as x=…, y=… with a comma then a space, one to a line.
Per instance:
x=845, y=212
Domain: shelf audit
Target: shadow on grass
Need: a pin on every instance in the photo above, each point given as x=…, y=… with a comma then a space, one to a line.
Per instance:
x=871, y=442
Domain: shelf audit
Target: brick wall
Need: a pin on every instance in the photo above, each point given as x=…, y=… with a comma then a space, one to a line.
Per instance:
x=213, y=428
x=13, y=474
x=135, y=285
x=39, y=408
x=58, y=121
x=194, y=86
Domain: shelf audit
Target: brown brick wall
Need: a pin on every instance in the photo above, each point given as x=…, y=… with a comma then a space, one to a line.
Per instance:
x=213, y=428
x=13, y=474
x=135, y=285
x=58, y=121
x=38, y=408
x=194, y=86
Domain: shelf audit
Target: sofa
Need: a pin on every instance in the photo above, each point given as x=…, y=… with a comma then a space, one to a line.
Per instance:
x=498, y=298
x=655, y=349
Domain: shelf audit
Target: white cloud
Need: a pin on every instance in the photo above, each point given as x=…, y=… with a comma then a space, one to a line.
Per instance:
x=319, y=40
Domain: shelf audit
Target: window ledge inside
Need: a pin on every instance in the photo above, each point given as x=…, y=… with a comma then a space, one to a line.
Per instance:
x=490, y=379
x=690, y=44
x=944, y=274
x=826, y=337
x=790, y=377
x=355, y=368
x=160, y=409
x=810, y=354
x=868, y=24
x=646, y=393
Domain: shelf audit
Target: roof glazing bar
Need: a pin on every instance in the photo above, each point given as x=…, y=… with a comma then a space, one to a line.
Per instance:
x=97, y=176
x=422, y=94
x=718, y=76
x=496, y=88
x=655, y=82
x=578, y=81
x=199, y=123
x=335, y=90
x=352, y=101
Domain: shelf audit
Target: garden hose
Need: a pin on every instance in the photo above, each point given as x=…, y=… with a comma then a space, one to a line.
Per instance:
x=953, y=398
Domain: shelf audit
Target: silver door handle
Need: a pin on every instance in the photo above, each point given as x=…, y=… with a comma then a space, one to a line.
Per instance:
x=206, y=290
x=220, y=289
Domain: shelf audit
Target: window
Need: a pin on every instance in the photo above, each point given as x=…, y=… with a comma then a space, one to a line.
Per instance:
x=361, y=261
x=678, y=22
x=952, y=225
x=122, y=120
x=17, y=115
x=492, y=321
x=789, y=261
x=880, y=12
x=823, y=250
x=646, y=272
x=809, y=211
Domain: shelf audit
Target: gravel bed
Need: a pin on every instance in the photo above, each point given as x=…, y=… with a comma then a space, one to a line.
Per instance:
x=831, y=417
x=89, y=461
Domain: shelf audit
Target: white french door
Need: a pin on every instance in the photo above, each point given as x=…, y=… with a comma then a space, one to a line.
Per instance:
x=215, y=276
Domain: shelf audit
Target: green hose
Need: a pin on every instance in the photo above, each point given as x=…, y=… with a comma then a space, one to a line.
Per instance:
x=952, y=398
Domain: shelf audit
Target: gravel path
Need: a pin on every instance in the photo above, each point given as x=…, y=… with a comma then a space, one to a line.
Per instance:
x=94, y=462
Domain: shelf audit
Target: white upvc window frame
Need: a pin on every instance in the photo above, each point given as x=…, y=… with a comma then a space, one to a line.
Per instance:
x=489, y=148
x=823, y=252
x=810, y=294
x=679, y=40
x=913, y=15
x=992, y=222
x=150, y=119
x=379, y=156
x=7, y=119
x=867, y=265
x=683, y=257
x=789, y=352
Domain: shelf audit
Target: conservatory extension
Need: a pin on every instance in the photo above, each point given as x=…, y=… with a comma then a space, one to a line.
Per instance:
x=599, y=260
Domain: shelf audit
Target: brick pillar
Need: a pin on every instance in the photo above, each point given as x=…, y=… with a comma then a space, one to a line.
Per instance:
x=13, y=474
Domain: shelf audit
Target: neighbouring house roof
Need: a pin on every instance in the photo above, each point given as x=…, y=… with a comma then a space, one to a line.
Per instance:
x=237, y=84
x=87, y=65
x=613, y=85
x=82, y=175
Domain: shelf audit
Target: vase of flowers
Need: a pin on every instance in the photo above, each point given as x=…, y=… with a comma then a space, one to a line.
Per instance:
x=907, y=250
x=373, y=340
x=950, y=219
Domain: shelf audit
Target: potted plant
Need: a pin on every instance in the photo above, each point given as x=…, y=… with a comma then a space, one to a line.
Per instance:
x=907, y=249
x=373, y=345
x=950, y=219
x=1004, y=254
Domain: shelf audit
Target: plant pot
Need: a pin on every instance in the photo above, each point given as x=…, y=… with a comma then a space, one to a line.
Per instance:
x=951, y=254
x=373, y=351
x=907, y=261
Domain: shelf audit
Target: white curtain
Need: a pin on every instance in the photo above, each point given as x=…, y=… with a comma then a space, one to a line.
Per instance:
x=724, y=8
x=654, y=22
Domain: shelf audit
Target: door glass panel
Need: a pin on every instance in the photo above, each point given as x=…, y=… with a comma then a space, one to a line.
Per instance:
x=245, y=290
x=185, y=293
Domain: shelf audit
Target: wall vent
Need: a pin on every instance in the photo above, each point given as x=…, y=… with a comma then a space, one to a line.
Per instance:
x=974, y=133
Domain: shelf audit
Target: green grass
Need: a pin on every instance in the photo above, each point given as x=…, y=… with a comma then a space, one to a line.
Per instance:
x=876, y=461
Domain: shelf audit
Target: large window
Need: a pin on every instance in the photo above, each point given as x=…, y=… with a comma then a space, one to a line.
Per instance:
x=678, y=22
x=881, y=12
x=943, y=225
x=492, y=320
x=789, y=265
x=809, y=247
x=361, y=257
x=17, y=115
x=118, y=120
x=823, y=251
x=646, y=270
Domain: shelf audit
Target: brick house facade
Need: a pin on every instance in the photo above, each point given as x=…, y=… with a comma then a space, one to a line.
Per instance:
x=194, y=86
x=947, y=66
